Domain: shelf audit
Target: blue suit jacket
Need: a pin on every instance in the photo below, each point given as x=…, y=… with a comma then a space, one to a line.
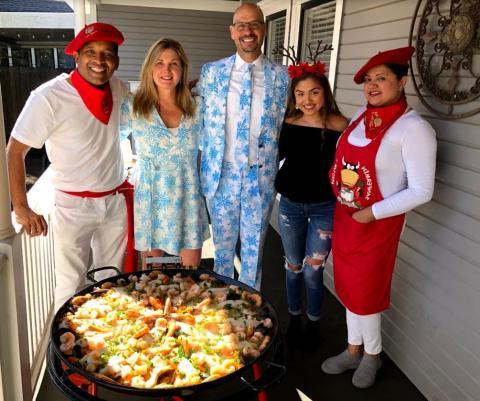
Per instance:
x=213, y=87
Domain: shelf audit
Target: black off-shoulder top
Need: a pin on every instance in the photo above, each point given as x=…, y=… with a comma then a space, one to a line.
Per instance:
x=308, y=154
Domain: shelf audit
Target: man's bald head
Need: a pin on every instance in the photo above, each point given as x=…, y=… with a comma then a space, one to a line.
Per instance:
x=251, y=7
x=248, y=31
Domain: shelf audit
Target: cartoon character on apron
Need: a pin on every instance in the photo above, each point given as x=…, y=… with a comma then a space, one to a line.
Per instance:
x=363, y=253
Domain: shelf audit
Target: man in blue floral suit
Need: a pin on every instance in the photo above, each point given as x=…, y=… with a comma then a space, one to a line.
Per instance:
x=244, y=99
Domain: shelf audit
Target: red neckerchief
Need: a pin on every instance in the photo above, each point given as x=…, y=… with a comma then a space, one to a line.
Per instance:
x=98, y=100
x=379, y=119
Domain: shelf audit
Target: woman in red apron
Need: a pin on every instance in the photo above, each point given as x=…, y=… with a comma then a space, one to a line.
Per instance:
x=384, y=166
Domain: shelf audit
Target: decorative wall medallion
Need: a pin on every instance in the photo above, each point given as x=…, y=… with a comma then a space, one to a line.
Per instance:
x=448, y=56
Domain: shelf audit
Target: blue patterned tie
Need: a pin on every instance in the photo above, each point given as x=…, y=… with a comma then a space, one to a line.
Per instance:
x=243, y=125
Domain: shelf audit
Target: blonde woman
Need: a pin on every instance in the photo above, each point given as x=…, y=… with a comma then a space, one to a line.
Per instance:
x=170, y=213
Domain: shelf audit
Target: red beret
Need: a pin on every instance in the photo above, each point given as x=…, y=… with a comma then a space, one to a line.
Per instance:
x=399, y=56
x=96, y=32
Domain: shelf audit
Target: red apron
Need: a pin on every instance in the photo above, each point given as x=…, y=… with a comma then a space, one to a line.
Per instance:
x=363, y=254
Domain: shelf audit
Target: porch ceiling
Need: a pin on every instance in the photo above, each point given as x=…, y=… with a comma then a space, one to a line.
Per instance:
x=35, y=37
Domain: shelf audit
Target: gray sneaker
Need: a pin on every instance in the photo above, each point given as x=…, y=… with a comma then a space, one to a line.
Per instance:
x=366, y=372
x=341, y=363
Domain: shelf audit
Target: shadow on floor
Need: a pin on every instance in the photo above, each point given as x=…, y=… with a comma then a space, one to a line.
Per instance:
x=303, y=360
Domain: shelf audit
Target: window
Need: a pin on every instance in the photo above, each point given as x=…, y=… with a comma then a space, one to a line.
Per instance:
x=44, y=57
x=276, y=35
x=3, y=56
x=64, y=60
x=318, y=23
x=21, y=57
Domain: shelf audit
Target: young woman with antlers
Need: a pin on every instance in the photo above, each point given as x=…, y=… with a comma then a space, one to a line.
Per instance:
x=307, y=144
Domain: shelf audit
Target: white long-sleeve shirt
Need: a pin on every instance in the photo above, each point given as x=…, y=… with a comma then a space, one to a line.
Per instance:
x=405, y=163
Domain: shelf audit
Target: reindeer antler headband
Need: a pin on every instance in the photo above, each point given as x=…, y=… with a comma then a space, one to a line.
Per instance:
x=297, y=69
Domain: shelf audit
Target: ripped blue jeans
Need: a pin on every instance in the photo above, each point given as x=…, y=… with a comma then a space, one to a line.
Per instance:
x=306, y=231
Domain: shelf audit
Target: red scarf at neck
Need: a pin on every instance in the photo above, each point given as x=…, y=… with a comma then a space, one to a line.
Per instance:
x=379, y=119
x=98, y=100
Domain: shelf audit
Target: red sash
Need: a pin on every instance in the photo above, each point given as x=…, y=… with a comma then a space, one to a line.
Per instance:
x=363, y=254
x=131, y=257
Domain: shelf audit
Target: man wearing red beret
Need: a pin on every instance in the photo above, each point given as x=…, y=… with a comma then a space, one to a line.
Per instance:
x=76, y=116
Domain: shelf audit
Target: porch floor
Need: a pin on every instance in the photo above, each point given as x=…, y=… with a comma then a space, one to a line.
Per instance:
x=303, y=362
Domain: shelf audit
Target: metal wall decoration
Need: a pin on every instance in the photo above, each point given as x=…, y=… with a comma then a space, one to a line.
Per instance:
x=447, y=41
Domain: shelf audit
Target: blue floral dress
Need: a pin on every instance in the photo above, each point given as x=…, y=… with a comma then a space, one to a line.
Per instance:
x=169, y=210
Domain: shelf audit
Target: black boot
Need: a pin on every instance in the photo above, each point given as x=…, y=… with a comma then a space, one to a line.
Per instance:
x=312, y=333
x=294, y=330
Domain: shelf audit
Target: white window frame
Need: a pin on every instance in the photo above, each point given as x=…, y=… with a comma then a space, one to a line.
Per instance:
x=271, y=18
x=292, y=28
x=270, y=7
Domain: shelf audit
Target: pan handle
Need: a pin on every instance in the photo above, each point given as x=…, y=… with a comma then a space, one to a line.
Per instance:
x=257, y=387
x=164, y=262
x=91, y=273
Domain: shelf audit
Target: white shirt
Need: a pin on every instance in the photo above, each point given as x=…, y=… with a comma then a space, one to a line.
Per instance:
x=84, y=153
x=405, y=163
x=232, y=111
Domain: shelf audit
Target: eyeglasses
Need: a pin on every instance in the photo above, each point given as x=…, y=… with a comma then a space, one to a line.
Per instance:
x=241, y=26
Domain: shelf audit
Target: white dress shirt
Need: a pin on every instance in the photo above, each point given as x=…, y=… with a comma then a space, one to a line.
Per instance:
x=233, y=102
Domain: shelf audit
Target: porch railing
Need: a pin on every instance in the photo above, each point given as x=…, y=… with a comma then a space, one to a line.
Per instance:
x=26, y=290
x=29, y=281
x=39, y=279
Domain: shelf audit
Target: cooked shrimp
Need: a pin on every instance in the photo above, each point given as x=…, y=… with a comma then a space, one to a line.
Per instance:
x=172, y=326
x=168, y=306
x=172, y=292
x=144, y=330
x=221, y=297
x=156, y=303
x=91, y=367
x=255, y=299
x=161, y=322
x=250, y=352
x=194, y=291
x=67, y=341
x=200, y=306
x=257, y=338
x=132, y=314
x=185, y=318
x=80, y=300
x=264, y=343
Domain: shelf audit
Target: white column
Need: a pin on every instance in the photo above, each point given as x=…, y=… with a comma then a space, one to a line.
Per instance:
x=79, y=12
x=10, y=57
x=91, y=11
x=55, y=58
x=32, y=55
x=6, y=228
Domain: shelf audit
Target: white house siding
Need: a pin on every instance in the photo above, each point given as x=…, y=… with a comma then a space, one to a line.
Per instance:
x=203, y=34
x=432, y=330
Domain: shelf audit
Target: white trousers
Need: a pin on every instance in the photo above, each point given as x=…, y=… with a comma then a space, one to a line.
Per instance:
x=366, y=330
x=87, y=230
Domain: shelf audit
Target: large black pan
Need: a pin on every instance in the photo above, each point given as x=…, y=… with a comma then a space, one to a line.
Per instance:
x=267, y=311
